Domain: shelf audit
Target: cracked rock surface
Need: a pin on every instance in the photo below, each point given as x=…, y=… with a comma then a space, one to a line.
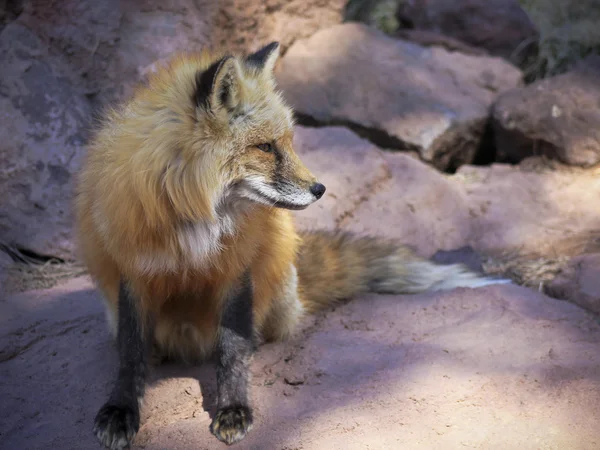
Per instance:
x=542, y=211
x=397, y=93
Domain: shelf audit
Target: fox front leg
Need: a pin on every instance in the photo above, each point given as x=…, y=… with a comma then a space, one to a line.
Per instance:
x=235, y=347
x=118, y=420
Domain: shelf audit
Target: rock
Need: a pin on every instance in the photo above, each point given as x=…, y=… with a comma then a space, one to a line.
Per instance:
x=541, y=213
x=557, y=117
x=428, y=38
x=81, y=35
x=9, y=11
x=579, y=282
x=349, y=167
x=81, y=55
x=396, y=93
x=5, y=264
x=416, y=205
x=246, y=25
x=41, y=145
x=556, y=212
x=157, y=31
x=111, y=45
x=498, y=26
x=377, y=371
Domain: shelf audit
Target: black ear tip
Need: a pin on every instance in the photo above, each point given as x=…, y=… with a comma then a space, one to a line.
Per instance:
x=259, y=58
x=205, y=81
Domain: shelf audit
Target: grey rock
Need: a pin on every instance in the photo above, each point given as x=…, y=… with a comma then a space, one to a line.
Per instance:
x=500, y=27
x=61, y=63
x=110, y=45
x=44, y=119
x=396, y=93
x=557, y=117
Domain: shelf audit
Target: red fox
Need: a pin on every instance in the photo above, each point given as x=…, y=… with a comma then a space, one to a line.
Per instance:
x=183, y=217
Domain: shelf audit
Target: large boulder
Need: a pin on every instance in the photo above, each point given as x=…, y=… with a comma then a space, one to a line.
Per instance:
x=396, y=93
x=557, y=117
x=500, y=27
x=111, y=45
x=528, y=210
x=417, y=205
x=62, y=61
x=41, y=145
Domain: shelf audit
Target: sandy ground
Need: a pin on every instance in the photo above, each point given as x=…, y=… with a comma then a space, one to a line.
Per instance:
x=494, y=368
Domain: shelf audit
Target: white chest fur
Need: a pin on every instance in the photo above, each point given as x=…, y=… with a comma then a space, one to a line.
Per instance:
x=200, y=241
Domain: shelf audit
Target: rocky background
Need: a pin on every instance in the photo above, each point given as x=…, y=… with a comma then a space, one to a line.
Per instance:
x=468, y=129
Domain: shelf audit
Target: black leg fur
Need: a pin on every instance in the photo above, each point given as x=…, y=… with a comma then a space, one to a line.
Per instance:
x=118, y=420
x=235, y=347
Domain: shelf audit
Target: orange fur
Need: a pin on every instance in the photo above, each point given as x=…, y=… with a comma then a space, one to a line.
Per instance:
x=180, y=195
x=157, y=168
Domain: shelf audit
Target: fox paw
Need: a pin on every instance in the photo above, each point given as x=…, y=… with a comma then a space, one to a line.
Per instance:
x=231, y=425
x=115, y=426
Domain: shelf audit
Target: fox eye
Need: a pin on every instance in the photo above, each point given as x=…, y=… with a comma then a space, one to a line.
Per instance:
x=267, y=148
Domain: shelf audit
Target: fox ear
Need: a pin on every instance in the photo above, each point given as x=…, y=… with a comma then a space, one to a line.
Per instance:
x=265, y=58
x=219, y=85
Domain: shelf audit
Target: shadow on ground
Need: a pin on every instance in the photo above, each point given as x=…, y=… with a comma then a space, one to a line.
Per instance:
x=503, y=367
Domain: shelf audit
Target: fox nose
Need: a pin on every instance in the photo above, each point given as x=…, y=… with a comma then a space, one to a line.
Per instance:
x=317, y=190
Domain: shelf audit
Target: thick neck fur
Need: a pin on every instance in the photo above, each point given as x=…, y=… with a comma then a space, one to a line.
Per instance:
x=177, y=145
x=202, y=239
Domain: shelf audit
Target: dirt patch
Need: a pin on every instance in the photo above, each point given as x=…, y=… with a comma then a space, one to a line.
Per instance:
x=22, y=277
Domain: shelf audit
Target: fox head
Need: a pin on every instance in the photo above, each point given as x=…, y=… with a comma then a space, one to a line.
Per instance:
x=234, y=137
x=239, y=107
